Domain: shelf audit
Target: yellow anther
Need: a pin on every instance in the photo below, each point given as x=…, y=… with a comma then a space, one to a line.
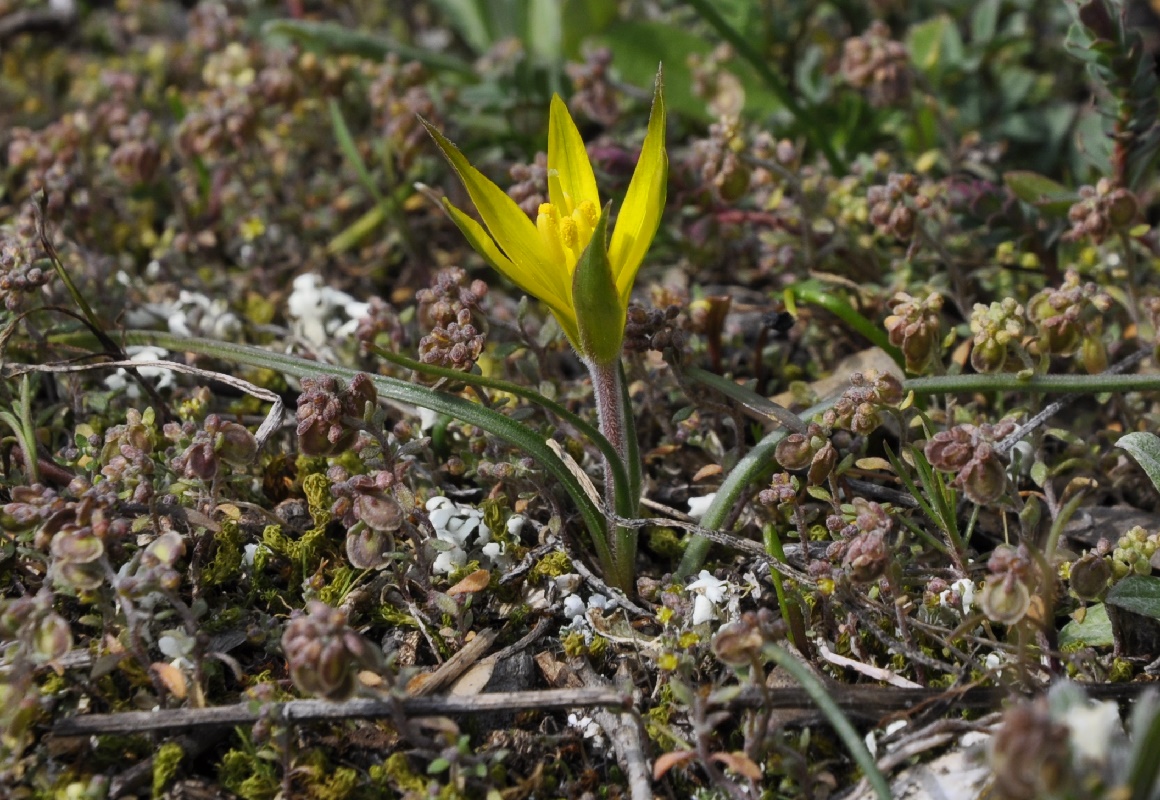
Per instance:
x=548, y=224
x=585, y=216
x=588, y=211
x=569, y=236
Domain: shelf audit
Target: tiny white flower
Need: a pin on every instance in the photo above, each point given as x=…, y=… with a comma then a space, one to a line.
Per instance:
x=427, y=418
x=599, y=601
x=1093, y=726
x=515, y=525
x=568, y=583
x=710, y=591
x=120, y=380
x=493, y=550
x=574, y=608
x=449, y=560
x=315, y=310
x=699, y=505
x=965, y=588
x=704, y=610
x=711, y=587
x=993, y=661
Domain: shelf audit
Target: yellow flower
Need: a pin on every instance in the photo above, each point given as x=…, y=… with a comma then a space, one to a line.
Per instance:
x=540, y=257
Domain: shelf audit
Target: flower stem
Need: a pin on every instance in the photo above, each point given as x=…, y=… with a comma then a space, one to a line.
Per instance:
x=607, y=388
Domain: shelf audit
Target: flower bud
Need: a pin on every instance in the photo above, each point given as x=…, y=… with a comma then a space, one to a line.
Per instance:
x=984, y=480
x=365, y=547
x=1004, y=599
x=1090, y=576
x=794, y=451
x=822, y=464
x=867, y=556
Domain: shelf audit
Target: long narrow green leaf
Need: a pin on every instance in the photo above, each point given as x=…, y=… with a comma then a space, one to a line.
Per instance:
x=816, y=293
x=621, y=478
x=748, y=398
x=846, y=732
x=815, y=133
x=331, y=37
x=472, y=413
x=350, y=150
x=748, y=468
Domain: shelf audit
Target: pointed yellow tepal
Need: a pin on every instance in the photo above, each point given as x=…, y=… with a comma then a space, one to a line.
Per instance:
x=540, y=256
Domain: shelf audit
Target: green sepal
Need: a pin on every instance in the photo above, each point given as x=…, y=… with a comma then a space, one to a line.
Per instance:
x=599, y=314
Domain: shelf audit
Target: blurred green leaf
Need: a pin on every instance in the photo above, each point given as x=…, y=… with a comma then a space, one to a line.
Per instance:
x=581, y=19
x=1145, y=448
x=927, y=42
x=1139, y=594
x=1094, y=631
x=331, y=37
x=1040, y=191
x=350, y=150
x=466, y=17
x=984, y=22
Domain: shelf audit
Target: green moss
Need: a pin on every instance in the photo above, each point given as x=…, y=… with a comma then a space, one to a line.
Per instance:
x=166, y=761
x=666, y=542
x=1121, y=671
x=248, y=776
x=316, y=487
x=396, y=773
x=227, y=558
x=553, y=565
x=395, y=618
x=457, y=575
x=342, y=782
x=339, y=583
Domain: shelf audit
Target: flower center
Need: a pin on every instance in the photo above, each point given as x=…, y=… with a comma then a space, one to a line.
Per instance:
x=566, y=236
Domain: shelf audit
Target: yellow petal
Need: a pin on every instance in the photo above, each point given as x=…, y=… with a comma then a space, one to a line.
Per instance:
x=535, y=282
x=569, y=158
x=506, y=221
x=641, y=213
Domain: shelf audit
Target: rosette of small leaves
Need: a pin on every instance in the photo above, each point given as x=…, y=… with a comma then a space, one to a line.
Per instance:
x=969, y=452
x=1101, y=210
x=77, y=558
x=1122, y=67
x=877, y=64
x=155, y=568
x=32, y=630
x=329, y=413
x=1005, y=597
x=895, y=205
x=915, y=327
x=1030, y=753
x=863, y=544
x=218, y=441
x=366, y=505
x=998, y=335
x=812, y=451
x=21, y=274
x=325, y=654
x=859, y=408
x=1133, y=553
x=1070, y=319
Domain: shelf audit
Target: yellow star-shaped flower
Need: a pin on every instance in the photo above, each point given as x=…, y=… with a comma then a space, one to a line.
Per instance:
x=540, y=257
